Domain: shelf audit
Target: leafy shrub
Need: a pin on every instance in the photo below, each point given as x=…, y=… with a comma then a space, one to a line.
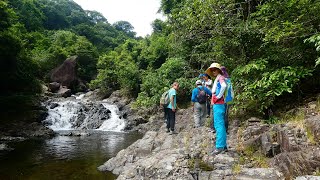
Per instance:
x=155, y=82
x=315, y=39
x=117, y=70
x=185, y=91
x=257, y=85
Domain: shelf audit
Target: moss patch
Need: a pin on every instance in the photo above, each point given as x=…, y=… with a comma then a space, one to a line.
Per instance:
x=198, y=163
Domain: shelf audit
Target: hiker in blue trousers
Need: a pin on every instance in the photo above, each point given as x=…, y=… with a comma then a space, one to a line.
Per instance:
x=219, y=108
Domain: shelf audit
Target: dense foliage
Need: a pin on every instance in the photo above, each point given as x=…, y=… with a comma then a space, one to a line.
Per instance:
x=17, y=69
x=271, y=48
x=262, y=43
x=38, y=35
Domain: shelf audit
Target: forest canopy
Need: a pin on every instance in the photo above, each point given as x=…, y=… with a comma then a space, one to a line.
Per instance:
x=270, y=48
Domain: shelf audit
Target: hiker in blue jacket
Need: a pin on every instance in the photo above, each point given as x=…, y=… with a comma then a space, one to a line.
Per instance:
x=199, y=99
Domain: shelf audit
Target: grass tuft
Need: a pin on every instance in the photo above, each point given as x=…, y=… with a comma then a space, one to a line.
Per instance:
x=236, y=168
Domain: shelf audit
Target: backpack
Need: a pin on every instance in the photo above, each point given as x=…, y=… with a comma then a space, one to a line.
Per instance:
x=201, y=96
x=165, y=100
x=228, y=94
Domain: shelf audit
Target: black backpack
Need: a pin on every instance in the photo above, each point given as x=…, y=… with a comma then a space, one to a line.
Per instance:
x=202, y=96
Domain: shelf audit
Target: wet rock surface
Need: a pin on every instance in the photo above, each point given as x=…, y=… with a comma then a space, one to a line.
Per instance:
x=138, y=119
x=24, y=122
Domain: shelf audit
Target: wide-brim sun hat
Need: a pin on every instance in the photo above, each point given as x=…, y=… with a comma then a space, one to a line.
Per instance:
x=213, y=65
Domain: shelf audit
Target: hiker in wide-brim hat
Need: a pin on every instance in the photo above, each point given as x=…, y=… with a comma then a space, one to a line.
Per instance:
x=218, y=88
x=214, y=66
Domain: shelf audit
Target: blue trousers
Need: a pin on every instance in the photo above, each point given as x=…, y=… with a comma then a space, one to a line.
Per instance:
x=219, y=111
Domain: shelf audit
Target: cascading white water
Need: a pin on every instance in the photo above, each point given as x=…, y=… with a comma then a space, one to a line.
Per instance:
x=67, y=112
x=61, y=116
x=114, y=123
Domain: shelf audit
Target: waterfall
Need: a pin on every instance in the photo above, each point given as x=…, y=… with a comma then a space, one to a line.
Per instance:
x=62, y=116
x=114, y=123
x=78, y=113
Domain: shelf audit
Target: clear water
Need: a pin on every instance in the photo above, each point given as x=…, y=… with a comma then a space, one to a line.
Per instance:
x=64, y=157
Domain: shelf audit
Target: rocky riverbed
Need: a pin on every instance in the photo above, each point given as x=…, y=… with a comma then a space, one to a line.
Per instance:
x=256, y=151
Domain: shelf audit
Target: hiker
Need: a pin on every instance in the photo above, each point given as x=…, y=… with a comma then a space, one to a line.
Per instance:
x=171, y=108
x=199, y=100
x=201, y=78
x=208, y=84
x=217, y=100
x=227, y=77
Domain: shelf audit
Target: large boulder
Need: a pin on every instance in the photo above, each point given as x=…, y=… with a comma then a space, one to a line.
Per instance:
x=297, y=163
x=313, y=123
x=54, y=87
x=66, y=74
x=96, y=117
x=64, y=92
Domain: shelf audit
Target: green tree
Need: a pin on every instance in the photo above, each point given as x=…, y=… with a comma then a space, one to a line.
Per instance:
x=155, y=82
x=52, y=48
x=244, y=36
x=126, y=27
x=17, y=70
x=29, y=14
x=118, y=70
x=96, y=17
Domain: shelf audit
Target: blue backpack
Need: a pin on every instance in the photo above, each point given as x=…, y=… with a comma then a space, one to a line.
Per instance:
x=228, y=93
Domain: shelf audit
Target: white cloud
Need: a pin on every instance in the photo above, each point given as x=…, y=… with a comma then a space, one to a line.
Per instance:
x=140, y=13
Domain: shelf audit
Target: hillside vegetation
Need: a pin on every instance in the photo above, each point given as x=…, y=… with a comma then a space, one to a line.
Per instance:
x=271, y=49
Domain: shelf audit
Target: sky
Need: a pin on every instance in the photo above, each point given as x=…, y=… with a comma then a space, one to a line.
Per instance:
x=139, y=13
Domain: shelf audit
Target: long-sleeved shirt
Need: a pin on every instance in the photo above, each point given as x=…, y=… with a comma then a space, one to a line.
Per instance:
x=208, y=84
x=220, y=90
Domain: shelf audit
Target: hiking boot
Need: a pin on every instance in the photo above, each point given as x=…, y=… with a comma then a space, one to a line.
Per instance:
x=218, y=151
x=168, y=130
x=172, y=132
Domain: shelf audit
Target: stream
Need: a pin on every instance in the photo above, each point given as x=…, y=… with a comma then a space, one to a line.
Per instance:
x=68, y=156
x=64, y=157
